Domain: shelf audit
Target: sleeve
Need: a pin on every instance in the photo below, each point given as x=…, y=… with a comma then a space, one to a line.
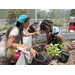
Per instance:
x=56, y=31
x=14, y=32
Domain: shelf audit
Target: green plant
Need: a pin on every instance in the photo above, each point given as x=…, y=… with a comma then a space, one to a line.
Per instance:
x=53, y=50
x=13, y=14
x=61, y=46
x=58, y=22
x=66, y=42
x=6, y=27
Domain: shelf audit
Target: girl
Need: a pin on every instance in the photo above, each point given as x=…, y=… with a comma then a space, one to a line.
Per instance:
x=12, y=38
x=53, y=33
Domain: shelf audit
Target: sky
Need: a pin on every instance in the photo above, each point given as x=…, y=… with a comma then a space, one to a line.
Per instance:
x=45, y=10
x=48, y=9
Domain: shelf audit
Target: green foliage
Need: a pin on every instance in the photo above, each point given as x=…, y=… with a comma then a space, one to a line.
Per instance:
x=13, y=14
x=42, y=14
x=72, y=12
x=61, y=46
x=66, y=42
x=53, y=50
x=4, y=27
x=58, y=22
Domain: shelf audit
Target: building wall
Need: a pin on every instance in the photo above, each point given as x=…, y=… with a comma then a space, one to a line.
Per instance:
x=3, y=13
x=32, y=13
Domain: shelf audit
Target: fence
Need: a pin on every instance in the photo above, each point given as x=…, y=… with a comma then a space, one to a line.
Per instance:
x=33, y=20
x=3, y=22
x=58, y=22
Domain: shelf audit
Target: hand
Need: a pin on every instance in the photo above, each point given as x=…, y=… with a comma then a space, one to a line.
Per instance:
x=38, y=33
x=45, y=48
x=34, y=52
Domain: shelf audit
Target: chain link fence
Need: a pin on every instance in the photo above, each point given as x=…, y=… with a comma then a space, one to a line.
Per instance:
x=57, y=22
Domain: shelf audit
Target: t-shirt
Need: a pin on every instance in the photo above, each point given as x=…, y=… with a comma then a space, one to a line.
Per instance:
x=3, y=43
x=56, y=31
x=31, y=28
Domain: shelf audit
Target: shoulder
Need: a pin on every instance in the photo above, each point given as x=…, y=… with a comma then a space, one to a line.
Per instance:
x=55, y=28
x=14, y=31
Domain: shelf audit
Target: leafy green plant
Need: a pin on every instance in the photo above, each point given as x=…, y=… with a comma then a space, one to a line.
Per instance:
x=53, y=50
x=58, y=22
x=61, y=46
x=6, y=27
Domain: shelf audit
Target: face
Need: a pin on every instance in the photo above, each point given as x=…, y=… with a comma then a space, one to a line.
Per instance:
x=25, y=25
x=48, y=30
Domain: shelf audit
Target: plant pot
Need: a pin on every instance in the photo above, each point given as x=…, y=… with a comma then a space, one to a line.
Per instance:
x=38, y=60
x=64, y=56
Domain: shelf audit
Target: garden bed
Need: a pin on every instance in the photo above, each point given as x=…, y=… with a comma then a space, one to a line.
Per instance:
x=49, y=59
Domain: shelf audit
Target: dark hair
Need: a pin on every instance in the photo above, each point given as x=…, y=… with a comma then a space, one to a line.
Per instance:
x=20, y=27
x=36, y=22
x=45, y=24
x=26, y=20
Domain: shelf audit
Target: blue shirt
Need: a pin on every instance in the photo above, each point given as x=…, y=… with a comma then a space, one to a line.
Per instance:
x=56, y=31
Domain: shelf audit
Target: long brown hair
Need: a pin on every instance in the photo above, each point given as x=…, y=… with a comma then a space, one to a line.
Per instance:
x=8, y=32
x=20, y=27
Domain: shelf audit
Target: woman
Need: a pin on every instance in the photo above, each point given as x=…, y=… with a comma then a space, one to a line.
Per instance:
x=13, y=37
x=53, y=33
x=33, y=27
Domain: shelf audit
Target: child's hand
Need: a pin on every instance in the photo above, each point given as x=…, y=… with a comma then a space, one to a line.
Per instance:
x=38, y=33
x=45, y=48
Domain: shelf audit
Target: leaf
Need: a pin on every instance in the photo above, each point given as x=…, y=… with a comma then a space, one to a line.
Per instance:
x=53, y=50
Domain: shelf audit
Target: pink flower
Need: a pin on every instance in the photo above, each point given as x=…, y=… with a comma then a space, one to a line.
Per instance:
x=40, y=31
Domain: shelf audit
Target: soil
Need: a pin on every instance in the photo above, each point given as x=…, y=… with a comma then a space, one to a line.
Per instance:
x=49, y=59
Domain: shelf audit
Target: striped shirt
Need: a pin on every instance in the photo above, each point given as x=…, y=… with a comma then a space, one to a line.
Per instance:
x=56, y=31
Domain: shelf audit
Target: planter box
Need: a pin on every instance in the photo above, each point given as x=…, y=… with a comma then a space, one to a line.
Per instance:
x=42, y=37
x=63, y=29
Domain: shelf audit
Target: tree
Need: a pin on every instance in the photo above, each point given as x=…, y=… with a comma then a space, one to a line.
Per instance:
x=51, y=13
x=13, y=14
x=72, y=12
x=41, y=14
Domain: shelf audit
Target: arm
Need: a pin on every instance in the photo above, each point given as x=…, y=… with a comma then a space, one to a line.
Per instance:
x=29, y=34
x=53, y=41
x=35, y=29
x=12, y=45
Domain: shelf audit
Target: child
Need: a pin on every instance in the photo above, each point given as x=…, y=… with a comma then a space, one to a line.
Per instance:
x=33, y=27
x=53, y=33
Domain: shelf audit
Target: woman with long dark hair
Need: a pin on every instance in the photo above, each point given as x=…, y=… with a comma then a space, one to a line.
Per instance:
x=13, y=39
